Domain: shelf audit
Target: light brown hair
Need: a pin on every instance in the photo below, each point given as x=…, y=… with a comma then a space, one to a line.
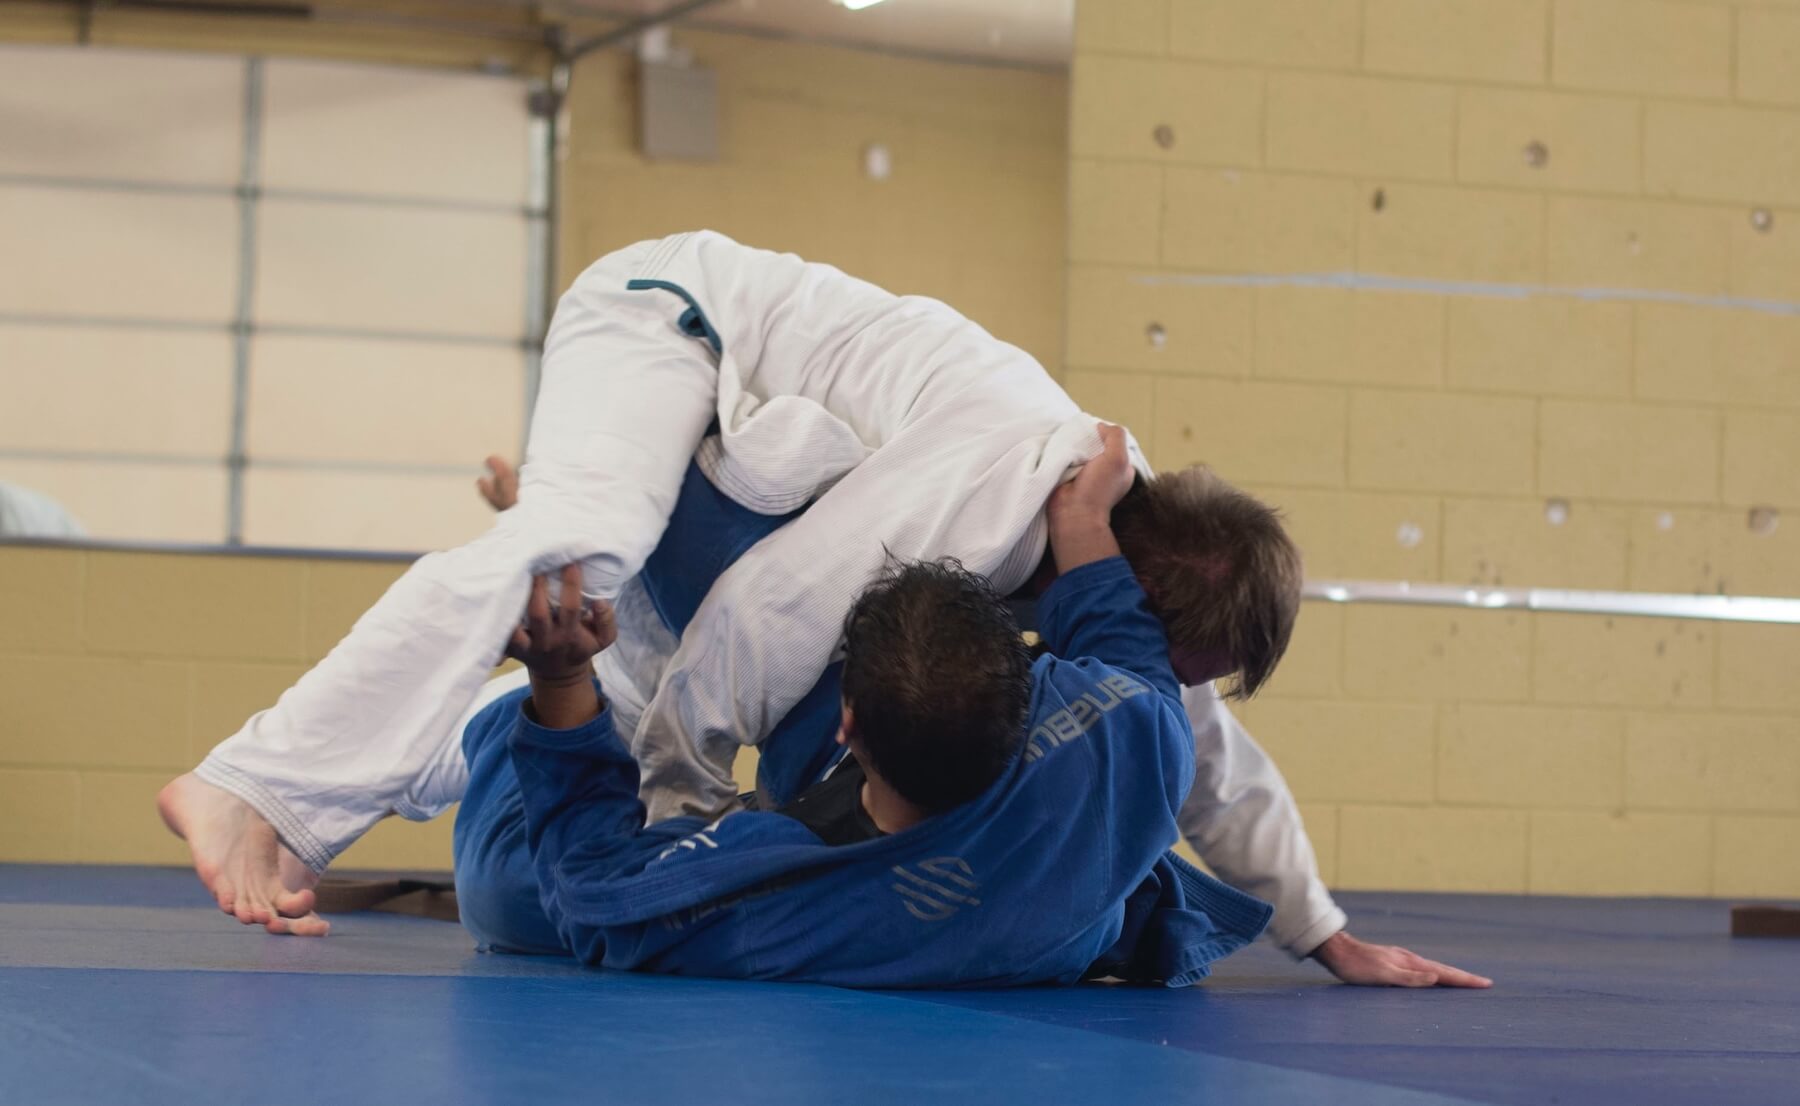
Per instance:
x=1220, y=570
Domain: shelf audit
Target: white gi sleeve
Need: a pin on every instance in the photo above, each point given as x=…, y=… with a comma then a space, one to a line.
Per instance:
x=1241, y=819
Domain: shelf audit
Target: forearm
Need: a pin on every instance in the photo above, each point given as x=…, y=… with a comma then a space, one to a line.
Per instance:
x=563, y=702
x=578, y=784
x=1080, y=538
x=1098, y=611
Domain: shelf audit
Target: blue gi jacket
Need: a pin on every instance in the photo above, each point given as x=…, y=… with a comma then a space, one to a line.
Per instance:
x=1059, y=871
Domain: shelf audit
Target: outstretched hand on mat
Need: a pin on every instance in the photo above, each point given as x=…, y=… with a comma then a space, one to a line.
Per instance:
x=1367, y=965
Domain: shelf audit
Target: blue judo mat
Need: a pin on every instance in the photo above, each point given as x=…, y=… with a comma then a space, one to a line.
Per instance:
x=124, y=985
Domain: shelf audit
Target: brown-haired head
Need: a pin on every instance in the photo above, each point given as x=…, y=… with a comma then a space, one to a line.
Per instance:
x=1219, y=569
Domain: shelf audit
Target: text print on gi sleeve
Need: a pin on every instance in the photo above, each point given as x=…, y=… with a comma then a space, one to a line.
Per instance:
x=693, y=842
x=1079, y=717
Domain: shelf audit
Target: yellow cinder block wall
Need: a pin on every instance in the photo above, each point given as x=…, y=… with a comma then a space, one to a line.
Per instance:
x=1233, y=164
x=120, y=670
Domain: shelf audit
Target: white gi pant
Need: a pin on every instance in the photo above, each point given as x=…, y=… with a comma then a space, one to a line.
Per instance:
x=913, y=432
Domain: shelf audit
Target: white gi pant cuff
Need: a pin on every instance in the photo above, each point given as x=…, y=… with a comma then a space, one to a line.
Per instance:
x=299, y=840
x=1301, y=945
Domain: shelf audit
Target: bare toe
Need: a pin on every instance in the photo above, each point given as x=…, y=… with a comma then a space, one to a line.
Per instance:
x=295, y=904
x=311, y=925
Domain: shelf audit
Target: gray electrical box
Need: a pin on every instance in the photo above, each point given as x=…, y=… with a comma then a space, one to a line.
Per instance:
x=678, y=112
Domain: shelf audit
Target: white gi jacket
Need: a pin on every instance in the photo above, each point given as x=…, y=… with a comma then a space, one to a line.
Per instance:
x=916, y=432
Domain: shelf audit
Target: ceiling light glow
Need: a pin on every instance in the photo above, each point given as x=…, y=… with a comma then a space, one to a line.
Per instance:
x=859, y=5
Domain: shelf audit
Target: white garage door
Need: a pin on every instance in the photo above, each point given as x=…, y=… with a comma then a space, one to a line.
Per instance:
x=258, y=301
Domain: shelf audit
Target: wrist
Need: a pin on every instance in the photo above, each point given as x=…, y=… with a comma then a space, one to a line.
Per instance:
x=1079, y=542
x=1080, y=518
x=556, y=678
x=564, y=706
x=1331, y=946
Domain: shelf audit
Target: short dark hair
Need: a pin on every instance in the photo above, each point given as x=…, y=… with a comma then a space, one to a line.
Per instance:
x=938, y=680
x=1220, y=570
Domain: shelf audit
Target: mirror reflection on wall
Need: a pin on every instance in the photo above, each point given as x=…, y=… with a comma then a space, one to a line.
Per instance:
x=260, y=302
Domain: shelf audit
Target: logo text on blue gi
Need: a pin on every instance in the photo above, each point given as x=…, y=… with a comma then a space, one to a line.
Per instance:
x=692, y=842
x=938, y=888
x=1079, y=717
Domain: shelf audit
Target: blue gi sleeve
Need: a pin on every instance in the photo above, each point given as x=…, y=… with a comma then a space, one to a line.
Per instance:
x=584, y=823
x=1100, y=611
x=1110, y=729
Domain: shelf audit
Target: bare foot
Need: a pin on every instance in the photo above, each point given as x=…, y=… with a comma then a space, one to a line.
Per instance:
x=239, y=859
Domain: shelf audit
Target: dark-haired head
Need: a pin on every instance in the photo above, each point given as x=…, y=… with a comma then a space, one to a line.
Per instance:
x=1220, y=571
x=937, y=682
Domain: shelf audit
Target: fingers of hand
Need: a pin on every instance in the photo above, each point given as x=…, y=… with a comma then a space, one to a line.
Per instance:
x=602, y=623
x=571, y=593
x=537, y=610
x=519, y=644
x=1107, y=477
x=1403, y=978
x=1448, y=976
x=1442, y=975
x=1397, y=967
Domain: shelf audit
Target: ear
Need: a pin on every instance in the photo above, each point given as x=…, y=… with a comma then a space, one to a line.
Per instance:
x=847, y=727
